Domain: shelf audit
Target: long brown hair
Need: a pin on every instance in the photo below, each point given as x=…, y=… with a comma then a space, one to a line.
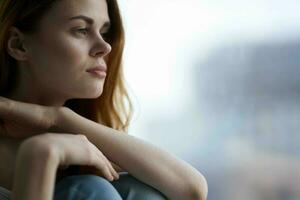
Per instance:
x=114, y=107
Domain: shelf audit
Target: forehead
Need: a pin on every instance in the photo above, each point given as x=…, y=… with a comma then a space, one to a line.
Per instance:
x=63, y=10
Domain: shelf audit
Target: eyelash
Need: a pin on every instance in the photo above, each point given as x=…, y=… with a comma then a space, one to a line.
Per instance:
x=81, y=30
x=85, y=30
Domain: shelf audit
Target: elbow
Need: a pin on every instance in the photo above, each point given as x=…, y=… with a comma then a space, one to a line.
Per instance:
x=199, y=190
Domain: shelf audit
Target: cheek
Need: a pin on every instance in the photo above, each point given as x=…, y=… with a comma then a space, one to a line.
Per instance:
x=59, y=55
x=63, y=61
x=66, y=51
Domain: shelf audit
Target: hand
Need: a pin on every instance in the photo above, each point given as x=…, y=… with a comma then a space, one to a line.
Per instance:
x=20, y=119
x=73, y=150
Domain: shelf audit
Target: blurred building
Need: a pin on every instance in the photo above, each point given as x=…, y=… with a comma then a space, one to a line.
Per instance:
x=251, y=93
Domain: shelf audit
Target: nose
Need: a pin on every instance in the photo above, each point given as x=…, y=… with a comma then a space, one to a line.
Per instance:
x=101, y=47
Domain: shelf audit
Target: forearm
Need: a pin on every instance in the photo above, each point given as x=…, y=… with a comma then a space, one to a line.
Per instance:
x=35, y=173
x=156, y=167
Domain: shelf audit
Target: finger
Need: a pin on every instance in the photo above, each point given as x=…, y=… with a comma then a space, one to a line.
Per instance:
x=112, y=169
x=106, y=171
x=101, y=163
x=99, y=160
x=109, y=165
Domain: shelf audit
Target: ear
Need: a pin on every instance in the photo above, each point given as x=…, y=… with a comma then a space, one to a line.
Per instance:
x=15, y=45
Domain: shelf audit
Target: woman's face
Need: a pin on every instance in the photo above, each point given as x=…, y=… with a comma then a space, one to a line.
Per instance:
x=66, y=45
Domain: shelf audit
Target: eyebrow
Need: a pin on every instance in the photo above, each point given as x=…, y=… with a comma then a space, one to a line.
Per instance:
x=90, y=20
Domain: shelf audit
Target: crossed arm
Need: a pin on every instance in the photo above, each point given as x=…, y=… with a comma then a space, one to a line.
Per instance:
x=172, y=176
x=163, y=171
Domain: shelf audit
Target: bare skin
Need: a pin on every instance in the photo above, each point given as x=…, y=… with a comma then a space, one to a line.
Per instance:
x=53, y=60
x=51, y=151
x=158, y=169
x=53, y=64
x=9, y=148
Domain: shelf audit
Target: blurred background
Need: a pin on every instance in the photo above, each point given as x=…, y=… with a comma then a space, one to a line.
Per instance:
x=217, y=83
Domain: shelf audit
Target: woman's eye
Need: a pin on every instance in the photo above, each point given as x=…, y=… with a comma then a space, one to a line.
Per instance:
x=82, y=31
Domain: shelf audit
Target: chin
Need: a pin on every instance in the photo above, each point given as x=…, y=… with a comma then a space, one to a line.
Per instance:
x=88, y=92
x=94, y=95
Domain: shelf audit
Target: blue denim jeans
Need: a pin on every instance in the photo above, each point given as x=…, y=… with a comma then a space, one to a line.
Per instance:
x=92, y=187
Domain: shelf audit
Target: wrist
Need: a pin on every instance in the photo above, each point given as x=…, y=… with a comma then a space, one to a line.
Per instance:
x=36, y=150
x=58, y=119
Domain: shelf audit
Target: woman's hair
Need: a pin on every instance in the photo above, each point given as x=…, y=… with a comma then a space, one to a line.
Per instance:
x=113, y=108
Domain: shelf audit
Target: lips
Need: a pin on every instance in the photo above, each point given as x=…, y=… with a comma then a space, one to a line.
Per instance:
x=99, y=71
x=99, y=68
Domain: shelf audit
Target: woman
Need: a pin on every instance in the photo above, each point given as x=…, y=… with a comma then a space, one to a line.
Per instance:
x=64, y=105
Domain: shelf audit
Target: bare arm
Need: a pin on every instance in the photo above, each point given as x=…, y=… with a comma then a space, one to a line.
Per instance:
x=41, y=155
x=172, y=176
x=35, y=171
x=175, y=178
x=8, y=152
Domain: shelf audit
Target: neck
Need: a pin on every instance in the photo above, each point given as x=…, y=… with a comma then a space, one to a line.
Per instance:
x=29, y=91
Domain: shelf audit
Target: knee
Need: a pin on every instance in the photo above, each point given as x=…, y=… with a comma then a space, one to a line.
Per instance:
x=90, y=180
x=87, y=187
